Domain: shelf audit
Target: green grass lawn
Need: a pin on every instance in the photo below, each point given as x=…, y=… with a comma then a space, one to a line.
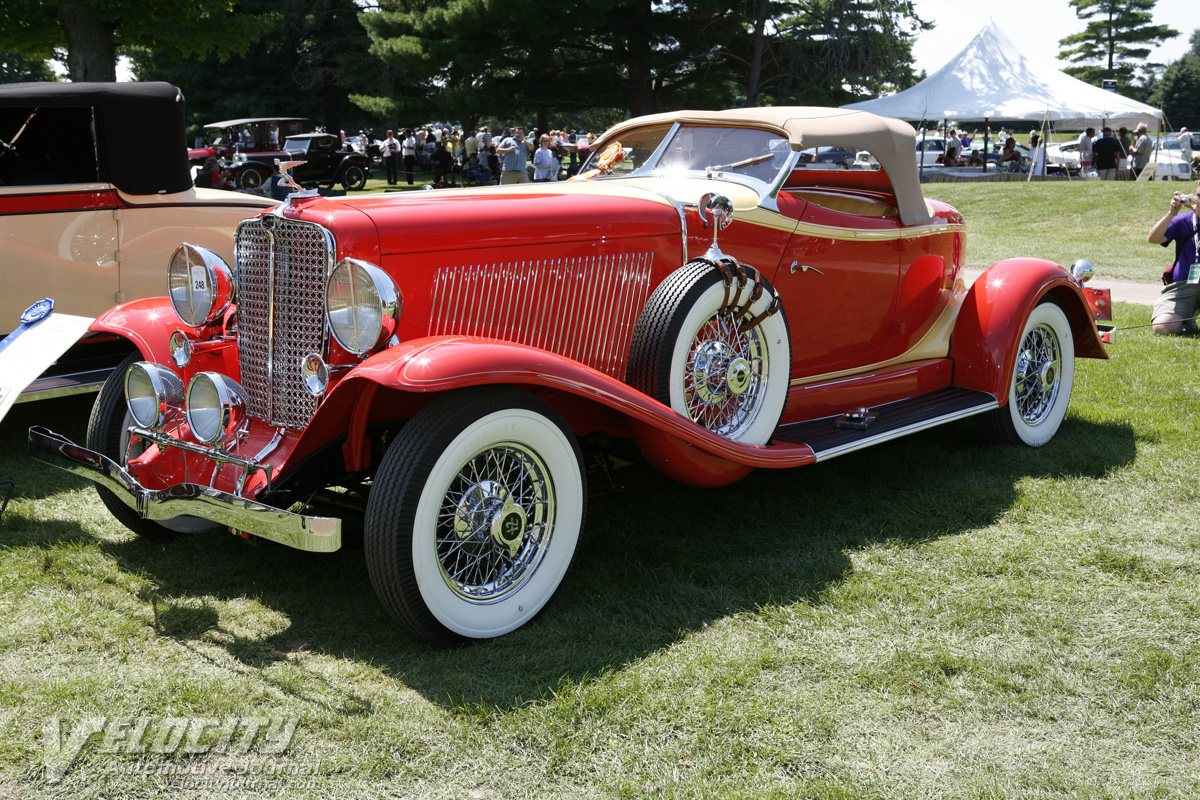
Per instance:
x=931, y=618
x=1105, y=222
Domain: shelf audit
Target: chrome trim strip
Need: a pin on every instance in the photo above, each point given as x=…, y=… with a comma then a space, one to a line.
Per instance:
x=64, y=385
x=916, y=427
x=314, y=534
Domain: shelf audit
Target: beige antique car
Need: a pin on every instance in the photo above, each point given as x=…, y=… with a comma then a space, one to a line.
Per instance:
x=95, y=195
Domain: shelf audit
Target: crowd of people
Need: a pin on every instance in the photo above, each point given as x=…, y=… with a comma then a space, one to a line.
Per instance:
x=1111, y=156
x=475, y=156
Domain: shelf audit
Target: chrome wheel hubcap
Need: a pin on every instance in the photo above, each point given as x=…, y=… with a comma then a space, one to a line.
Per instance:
x=725, y=375
x=1038, y=373
x=495, y=522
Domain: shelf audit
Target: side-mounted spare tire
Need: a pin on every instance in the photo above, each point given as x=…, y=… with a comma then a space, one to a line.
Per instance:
x=715, y=350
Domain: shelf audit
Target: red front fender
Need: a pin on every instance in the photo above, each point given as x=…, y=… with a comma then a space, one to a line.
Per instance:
x=984, y=343
x=440, y=364
x=147, y=324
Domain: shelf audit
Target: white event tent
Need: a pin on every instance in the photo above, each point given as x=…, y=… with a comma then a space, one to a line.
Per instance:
x=990, y=79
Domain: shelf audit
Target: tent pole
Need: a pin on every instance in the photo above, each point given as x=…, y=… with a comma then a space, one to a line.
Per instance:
x=987, y=130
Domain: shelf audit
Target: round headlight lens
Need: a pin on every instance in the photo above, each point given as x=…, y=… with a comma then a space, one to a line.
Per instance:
x=359, y=297
x=215, y=406
x=151, y=390
x=200, y=284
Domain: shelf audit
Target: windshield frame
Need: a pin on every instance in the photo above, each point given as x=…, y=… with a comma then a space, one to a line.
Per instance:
x=767, y=192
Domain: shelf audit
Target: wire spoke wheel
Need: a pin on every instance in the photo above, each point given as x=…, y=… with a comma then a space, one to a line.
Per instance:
x=1039, y=367
x=474, y=514
x=724, y=377
x=1040, y=387
x=495, y=523
x=688, y=352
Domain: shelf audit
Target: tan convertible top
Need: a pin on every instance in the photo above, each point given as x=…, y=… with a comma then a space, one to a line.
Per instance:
x=891, y=141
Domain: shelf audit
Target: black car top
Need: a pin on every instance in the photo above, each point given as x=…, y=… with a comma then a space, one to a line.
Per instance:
x=139, y=142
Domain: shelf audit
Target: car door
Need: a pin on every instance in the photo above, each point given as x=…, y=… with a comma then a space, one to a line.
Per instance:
x=838, y=281
x=58, y=242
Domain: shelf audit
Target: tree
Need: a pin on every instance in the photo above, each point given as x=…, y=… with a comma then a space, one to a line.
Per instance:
x=313, y=55
x=1116, y=40
x=94, y=32
x=832, y=52
x=1178, y=92
x=469, y=58
x=15, y=69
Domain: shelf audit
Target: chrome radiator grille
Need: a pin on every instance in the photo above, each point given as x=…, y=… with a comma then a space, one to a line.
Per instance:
x=582, y=308
x=282, y=265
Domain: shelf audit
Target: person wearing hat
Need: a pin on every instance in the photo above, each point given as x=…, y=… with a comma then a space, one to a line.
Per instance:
x=1141, y=149
x=1105, y=152
x=1180, y=299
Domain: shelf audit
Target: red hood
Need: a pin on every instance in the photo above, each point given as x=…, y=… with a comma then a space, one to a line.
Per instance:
x=428, y=221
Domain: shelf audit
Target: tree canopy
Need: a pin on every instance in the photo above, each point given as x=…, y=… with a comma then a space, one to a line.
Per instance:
x=1116, y=41
x=93, y=32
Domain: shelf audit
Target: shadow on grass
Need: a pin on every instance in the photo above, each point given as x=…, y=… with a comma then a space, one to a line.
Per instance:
x=657, y=561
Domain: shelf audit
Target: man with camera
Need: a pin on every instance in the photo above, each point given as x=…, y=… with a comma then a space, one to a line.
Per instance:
x=1180, y=299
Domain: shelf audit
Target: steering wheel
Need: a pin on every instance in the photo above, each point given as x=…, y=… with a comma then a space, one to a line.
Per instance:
x=611, y=155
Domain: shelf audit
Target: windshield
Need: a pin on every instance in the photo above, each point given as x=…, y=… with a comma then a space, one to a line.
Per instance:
x=748, y=152
x=297, y=144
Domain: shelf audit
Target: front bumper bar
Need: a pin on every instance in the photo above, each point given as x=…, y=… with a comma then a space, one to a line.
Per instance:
x=316, y=534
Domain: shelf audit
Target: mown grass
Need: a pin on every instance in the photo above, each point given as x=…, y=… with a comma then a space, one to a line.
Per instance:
x=929, y=618
x=1106, y=222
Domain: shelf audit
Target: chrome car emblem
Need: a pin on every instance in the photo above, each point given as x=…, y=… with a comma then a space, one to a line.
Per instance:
x=285, y=178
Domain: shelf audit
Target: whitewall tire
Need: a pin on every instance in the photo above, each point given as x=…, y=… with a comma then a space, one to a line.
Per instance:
x=690, y=355
x=474, y=515
x=1039, y=389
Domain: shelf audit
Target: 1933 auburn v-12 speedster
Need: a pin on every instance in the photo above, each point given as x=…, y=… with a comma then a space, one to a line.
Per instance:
x=440, y=355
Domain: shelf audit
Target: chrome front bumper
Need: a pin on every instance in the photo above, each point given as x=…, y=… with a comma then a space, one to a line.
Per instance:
x=316, y=534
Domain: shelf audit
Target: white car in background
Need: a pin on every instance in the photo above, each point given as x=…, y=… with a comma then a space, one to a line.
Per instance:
x=1171, y=164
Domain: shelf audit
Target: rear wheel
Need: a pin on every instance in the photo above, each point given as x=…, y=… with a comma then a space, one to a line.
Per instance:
x=1040, y=387
x=354, y=178
x=250, y=178
x=474, y=515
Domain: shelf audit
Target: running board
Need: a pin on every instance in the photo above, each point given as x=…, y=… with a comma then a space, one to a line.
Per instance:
x=47, y=387
x=891, y=421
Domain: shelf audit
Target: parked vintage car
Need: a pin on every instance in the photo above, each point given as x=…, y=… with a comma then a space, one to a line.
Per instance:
x=693, y=294
x=91, y=206
x=326, y=162
x=223, y=140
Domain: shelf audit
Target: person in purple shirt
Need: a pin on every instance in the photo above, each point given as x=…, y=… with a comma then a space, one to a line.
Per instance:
x=1180, y=298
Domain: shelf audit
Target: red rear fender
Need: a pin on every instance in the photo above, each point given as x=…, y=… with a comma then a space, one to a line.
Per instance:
x=984, y=343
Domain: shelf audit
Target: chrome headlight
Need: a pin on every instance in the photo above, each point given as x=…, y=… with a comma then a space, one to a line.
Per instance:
x=151, y=390
x=1083, y=270
x=315, y=374
x=359, y=298
x=215, y=406
x=200, y=284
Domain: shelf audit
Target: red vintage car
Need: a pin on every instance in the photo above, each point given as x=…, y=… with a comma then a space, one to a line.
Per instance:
x=434, y=361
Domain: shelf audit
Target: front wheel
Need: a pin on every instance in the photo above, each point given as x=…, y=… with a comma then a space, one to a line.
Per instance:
x=1040, y=387
x=474, y=515
x=354, y=178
